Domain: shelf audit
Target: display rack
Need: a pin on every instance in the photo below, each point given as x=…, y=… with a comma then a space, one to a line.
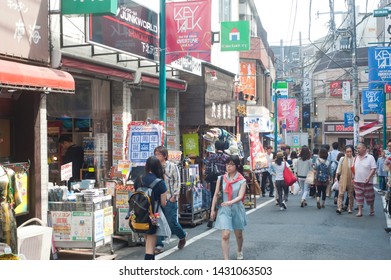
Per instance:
x=191, y=205
x=82, y=225
x=120, y=194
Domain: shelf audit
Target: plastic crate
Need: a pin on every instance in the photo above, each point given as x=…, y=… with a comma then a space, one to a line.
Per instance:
x=35, y=241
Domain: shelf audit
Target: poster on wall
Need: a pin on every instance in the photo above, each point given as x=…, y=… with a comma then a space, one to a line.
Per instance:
x=190, y=144
x=21, y=180
x=248, y=74
x=142, y=139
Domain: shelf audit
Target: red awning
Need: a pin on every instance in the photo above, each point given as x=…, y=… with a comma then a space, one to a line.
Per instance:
x=368, y=125
x=18, y=76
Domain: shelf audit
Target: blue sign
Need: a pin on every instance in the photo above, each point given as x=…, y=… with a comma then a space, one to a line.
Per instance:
x=372, y=102
x=348, y=119
x=379, y=67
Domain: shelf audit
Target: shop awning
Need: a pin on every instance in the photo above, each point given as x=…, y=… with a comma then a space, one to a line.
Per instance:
x=18, y=76
x=370, y=130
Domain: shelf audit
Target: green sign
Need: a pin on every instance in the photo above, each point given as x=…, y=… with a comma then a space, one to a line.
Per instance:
x=71, y=7
x=380, y=12
x=235, y=36
x=190, y=144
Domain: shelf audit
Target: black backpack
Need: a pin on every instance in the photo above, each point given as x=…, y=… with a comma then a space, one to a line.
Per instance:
x=142, y=211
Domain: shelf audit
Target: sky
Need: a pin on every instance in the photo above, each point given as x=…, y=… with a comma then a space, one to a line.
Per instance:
x=285, y=19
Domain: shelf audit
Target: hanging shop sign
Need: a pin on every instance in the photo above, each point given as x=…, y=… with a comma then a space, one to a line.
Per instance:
x=379, y=67
x=188, y=64
x=264, y=123
x=24, y=29
x=372, y=101
x=306, y=88
x=235, y=36
x=348, y=119
x=77, y=7
x=257, y=153
x=133, y=30
x=286, y=107
x=142, y=139
x=189, y=23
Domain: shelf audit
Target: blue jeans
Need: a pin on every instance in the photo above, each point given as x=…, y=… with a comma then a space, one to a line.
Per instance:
x=171, y=213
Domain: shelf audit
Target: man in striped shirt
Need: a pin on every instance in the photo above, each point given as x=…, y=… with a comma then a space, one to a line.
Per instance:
x=173, y=182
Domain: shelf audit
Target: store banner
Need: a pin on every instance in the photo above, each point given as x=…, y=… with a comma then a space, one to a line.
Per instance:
x=306, y=89
x=189, y=25
x=306, y=116
x=348, y=119
x=77, y=7
x=235, y=36
x=379, y=67
x=286, y=107
x=247, y=80
x=133, y=30
x=372, y=101
x=190, y=144
x=262, y=122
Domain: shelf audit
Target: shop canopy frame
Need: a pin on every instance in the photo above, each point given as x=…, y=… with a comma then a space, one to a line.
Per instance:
x=99, y=50
x=15, y=76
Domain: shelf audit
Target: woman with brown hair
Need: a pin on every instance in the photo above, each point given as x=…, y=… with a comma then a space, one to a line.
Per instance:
x=345, y=183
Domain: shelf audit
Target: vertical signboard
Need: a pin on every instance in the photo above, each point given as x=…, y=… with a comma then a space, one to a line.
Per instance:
x=248, y=79
x=189, y=24
x=306, y=88
x=134, y=30
x=24, y=29
x=306, y=116
x=235, y=36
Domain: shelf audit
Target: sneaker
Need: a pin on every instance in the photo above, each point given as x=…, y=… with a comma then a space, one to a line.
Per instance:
x=284, y=205
x=159, y=250
x=318, y=205
x=282, y=208
x=239, y=256
x=182, y=242
x=210, y=224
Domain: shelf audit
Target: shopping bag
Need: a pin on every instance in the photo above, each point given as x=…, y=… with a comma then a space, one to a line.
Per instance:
x=295, y=188
x=310, y=179
x=335, y=186
x=289, y=178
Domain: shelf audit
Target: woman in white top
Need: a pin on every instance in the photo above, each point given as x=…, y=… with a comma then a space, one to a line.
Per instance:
x=282, y=189
x=302, y=166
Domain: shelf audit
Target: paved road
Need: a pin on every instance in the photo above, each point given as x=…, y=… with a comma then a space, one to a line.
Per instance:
x=295, y=234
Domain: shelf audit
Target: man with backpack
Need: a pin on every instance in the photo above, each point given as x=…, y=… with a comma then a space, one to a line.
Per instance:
x=173, y=182
x=214, y=167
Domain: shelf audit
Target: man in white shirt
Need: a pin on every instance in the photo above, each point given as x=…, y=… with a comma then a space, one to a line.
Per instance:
x=364, y=170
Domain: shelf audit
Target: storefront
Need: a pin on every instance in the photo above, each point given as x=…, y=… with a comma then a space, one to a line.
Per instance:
x=25, y=83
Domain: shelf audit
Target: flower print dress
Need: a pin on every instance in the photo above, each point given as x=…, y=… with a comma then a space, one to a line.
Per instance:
x=231, y=217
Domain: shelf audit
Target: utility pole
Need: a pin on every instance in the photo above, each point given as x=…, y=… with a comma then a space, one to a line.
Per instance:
x=352, y=13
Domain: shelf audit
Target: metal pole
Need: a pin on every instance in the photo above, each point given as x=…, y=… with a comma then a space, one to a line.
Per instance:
x=352, y=5
x=384, y=121
x=275, y=114
x=162, y=65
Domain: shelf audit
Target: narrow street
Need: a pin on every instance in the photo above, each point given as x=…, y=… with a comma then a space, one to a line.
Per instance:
x=295, y=234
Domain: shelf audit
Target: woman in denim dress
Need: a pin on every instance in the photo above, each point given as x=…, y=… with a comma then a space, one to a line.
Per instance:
x=231, y=215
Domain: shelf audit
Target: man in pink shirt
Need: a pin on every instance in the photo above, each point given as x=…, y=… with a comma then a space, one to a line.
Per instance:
x=364, y=170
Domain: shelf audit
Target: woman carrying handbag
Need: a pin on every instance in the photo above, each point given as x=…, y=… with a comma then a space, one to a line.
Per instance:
x=282, y=189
